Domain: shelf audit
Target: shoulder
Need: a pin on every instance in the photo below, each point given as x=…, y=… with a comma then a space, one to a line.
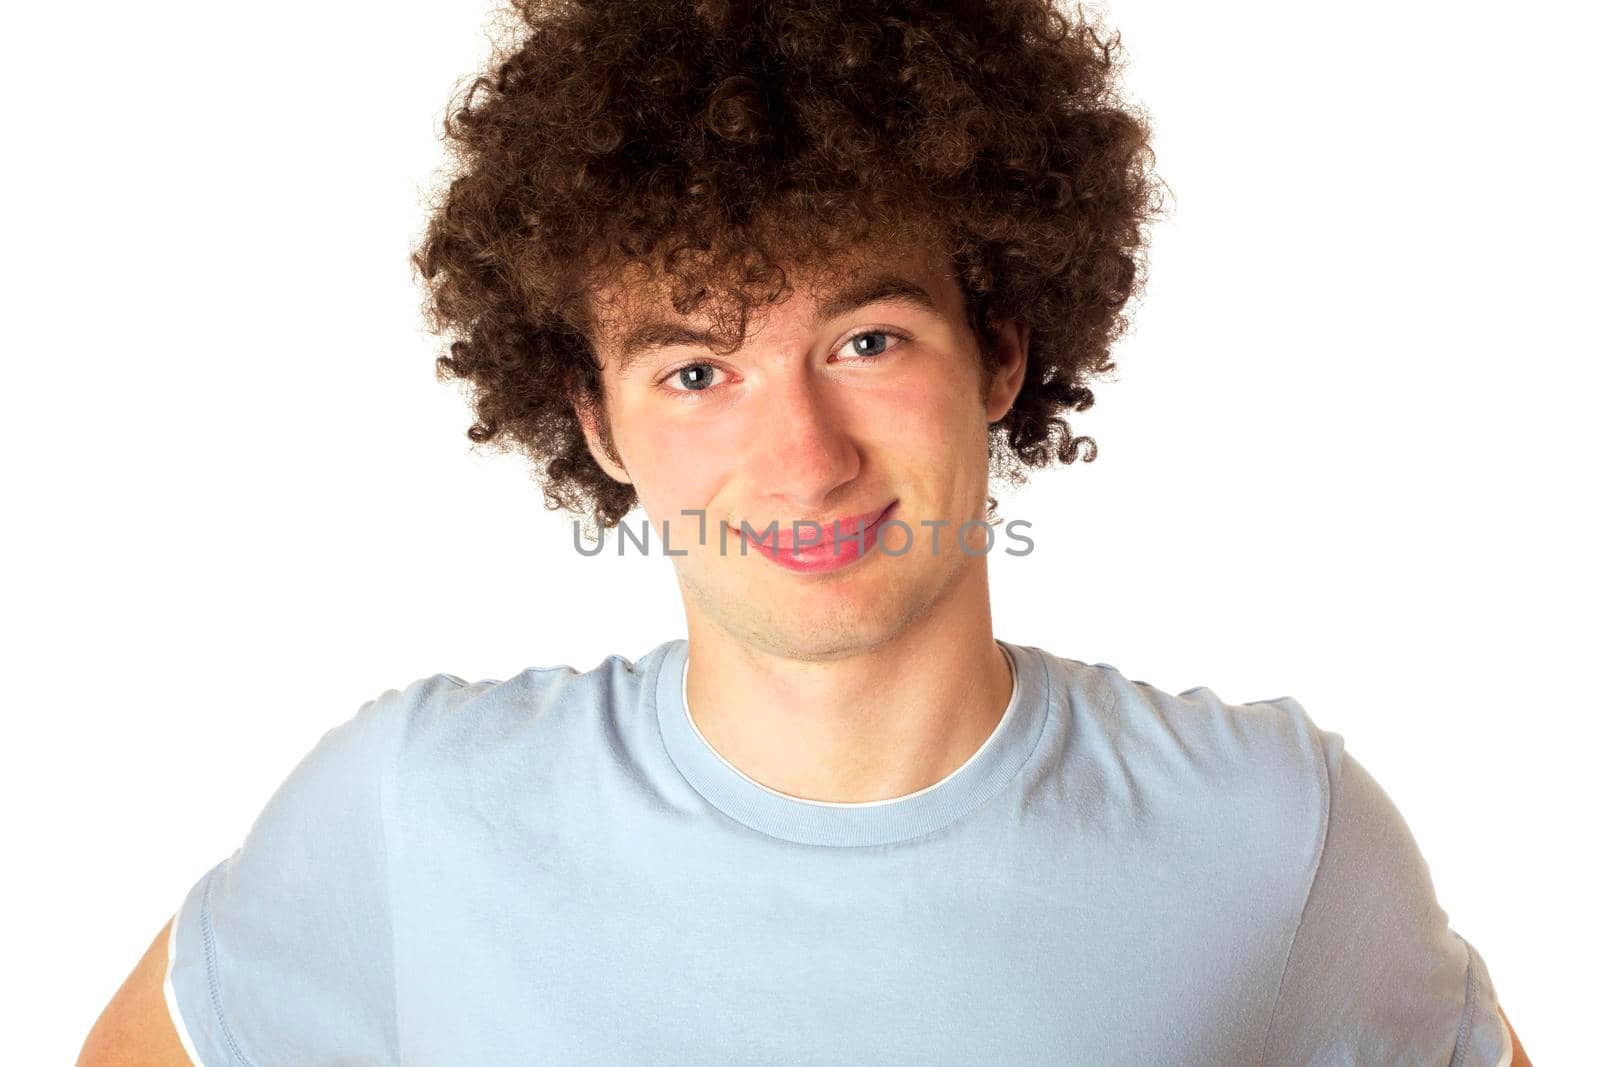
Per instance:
x=1233, y=792
x=444, y=717
x=1195, y=740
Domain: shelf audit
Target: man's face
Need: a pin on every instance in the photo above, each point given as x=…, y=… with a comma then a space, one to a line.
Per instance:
x=840, y=402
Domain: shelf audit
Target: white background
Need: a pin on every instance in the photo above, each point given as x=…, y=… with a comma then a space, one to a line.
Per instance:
x=1348, y=456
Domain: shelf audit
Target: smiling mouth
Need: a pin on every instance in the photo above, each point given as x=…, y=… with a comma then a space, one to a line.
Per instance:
x=787, y=536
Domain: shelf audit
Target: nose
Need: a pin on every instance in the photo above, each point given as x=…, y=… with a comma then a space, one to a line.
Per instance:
x=801, y=448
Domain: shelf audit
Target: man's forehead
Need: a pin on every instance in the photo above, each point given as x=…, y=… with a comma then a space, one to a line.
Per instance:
x=634, y=308
x=618, y=303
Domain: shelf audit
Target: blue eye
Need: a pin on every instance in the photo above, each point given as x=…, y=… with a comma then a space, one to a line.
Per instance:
x=683, y=373
x=695, y=378
x=865, y=336
x=878, y=349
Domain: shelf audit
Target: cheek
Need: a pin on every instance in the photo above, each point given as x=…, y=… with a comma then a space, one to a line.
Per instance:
x=911, y=412
x=679, y=463
x=925, y=414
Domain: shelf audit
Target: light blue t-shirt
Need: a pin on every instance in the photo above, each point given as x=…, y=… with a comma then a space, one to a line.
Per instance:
x=558, y=869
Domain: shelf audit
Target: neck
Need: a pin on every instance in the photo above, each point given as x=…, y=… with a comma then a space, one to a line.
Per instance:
x=869, y=724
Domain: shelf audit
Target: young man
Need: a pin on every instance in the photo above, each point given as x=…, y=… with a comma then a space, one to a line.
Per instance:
x=793, y=278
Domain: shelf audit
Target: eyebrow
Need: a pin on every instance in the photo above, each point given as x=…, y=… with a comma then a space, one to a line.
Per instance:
x=645, y=337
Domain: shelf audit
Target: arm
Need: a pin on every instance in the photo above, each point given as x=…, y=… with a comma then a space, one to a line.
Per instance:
x=1519, y=1058
x=135, y=1029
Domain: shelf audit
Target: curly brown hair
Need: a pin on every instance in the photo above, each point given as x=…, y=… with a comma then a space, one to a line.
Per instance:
x=720, y=144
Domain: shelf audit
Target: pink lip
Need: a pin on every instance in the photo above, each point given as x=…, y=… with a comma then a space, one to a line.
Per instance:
x=857, y=536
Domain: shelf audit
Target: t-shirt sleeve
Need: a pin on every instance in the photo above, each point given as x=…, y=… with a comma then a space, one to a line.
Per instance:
x=282, y=952
x=1375, y=974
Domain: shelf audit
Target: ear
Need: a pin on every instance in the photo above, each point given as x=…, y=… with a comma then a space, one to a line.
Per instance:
x=597, y=436
x=1011, y=346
